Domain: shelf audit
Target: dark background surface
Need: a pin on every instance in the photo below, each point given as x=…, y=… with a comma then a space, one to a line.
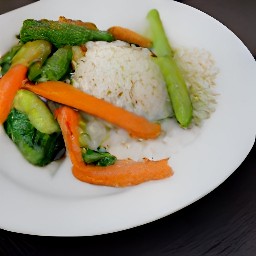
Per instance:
x=221, y=223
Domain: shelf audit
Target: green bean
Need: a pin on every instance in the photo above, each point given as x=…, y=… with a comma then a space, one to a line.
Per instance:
x=161, y=44
x=176, y=85
x=177, y=90
x=57, y=65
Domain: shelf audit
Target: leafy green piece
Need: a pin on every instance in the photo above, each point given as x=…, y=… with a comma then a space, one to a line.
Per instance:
x=98, y=157
x=38, y=148
x=6, y=59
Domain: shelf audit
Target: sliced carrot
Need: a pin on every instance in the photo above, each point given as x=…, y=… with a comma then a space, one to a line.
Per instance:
x=129, y=36
x=137, y=126
x=9, y=85
x=123, y=173
x=68, y=120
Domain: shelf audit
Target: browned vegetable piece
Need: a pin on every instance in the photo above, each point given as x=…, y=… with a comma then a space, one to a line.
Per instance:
x=88, y=25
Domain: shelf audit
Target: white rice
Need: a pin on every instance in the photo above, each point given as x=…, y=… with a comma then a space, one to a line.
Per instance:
x=124, y=75
x=200, y=72
x=128, y=77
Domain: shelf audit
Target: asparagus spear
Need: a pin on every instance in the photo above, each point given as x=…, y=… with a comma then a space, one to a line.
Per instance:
x=176, y=86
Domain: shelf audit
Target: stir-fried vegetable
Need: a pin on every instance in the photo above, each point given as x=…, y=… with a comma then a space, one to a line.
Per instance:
x=43, y=55
x=36, y=110
x=35, y=69
x=122, y=173
x=9, y=85
x=38, y=148
x=32, y=127
x=63, y=93
x=98, y=157
x=129, y=36
x=57, y=65
x=59, y=33
x=6, y=59
x=88, y=25
x=175, y=82
x=32, y=52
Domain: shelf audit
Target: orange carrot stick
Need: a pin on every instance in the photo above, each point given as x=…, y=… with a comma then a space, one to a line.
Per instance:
x=123, y=173
x=9, y=85
x=63, y=93
x=129, y=36
x=68, y=120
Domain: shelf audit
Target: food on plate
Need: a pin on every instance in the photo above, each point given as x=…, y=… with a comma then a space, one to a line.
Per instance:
x=129, y=36
x=176, y=85
x=121, y=174
x=60, y=33
x=10, y=83
x=61, y=92
x=124, y=75
x=67, y=85
x=33, y=129
x=57, y=65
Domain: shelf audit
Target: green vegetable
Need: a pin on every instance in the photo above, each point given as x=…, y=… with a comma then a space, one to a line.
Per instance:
x=60, y=34
x=38, y=148
x=32, y=52
x=36, y=110
x=98, y=157
x=6, y=59
x=176, y=86
x=77, y=53
x=35, y=69
x=161, y=45
x=177, y=90
x=57, y=65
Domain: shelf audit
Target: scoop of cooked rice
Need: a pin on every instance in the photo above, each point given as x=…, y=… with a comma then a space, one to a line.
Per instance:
x=124, y=75
x=200, y=72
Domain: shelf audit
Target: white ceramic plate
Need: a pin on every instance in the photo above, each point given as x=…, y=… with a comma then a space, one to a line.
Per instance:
x=44, y=201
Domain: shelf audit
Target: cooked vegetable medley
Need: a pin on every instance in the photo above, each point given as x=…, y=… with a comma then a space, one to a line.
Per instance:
x=67, y=84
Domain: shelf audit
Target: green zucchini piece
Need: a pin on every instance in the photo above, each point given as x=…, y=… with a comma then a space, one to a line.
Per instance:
x=36, y=110
x=32, y=52
x=37, y=148
x=35, y=68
